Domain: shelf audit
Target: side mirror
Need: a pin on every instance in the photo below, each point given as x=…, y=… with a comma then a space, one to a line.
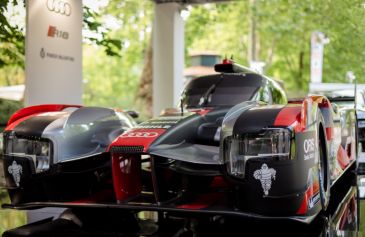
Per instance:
x=133, y=114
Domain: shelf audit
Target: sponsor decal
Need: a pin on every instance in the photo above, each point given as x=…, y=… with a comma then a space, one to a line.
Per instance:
x=44, y=54
x=15, y=170
x=265, y=175
x=53, y=32
x=313, y=201
x=60, y=7
x=162, y=122
x=308, y=148
x=140, y=134
x=306, y=145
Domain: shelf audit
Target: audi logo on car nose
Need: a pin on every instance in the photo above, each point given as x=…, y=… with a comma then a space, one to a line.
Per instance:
x=60, y=7
x=141, y=134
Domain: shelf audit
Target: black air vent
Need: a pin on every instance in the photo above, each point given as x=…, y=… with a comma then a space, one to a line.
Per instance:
x=127, y=149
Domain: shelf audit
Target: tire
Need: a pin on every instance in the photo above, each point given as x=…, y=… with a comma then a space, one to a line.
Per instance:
x=323, y=168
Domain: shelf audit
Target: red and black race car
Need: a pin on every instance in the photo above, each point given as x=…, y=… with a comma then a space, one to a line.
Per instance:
x=236, y=147
x=58, y=152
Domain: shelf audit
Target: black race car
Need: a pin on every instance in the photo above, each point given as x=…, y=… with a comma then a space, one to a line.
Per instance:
x=58, y=153
x=236, y=147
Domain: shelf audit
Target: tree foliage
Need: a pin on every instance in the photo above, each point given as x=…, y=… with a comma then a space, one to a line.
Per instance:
x=12, y=37
x=114, y=82
x=284, y=28
x=283, y=32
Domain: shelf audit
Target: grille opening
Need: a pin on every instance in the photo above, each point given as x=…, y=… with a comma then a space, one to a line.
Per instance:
x=126, y=149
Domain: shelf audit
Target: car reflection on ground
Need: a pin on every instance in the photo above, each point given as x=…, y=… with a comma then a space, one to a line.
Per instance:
x=341, y=219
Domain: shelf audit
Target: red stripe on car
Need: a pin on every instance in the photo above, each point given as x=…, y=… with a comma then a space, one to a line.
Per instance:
x=311, y=192
x=329, y=133
x=38, y=109
x=289, y=115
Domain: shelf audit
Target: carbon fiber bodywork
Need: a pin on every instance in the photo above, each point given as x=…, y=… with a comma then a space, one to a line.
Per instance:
x=189, y=161
x=58, y=153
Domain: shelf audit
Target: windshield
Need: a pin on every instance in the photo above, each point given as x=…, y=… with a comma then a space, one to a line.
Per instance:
x=220, y=90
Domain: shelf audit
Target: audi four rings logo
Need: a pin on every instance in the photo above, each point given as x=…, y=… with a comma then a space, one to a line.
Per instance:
x=141, y=134
x=58, y=6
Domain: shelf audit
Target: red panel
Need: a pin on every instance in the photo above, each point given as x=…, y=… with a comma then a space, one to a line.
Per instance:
x=342, y=157
x=311, y=191
x=329, y=133
x=202, y=112
x=288, y=116
x=126, y=176
x=38, y=109
x=15, y=123
x=138, y=137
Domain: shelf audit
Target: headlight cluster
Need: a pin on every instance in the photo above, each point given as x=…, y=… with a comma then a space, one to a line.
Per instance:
x=38, y=150
x=273, y=142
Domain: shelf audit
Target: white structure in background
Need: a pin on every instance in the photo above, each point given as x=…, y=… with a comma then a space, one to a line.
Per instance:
x=53, y=60
x=53, y=52
x=12, y=92
x=201, y=64
x=338, y=87
x=168, y=56
x=258, y=66
x=318, y=40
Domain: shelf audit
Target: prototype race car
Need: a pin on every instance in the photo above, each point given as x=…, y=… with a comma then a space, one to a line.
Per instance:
x=236, y=147
x=58, y=152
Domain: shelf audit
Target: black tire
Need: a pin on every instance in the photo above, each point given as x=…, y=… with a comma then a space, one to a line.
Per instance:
x=323, y=168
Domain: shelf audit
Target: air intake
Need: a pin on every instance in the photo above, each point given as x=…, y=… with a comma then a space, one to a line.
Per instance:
x=127, y=149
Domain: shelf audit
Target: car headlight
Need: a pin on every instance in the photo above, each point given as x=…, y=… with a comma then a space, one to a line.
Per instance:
x=270, y=143
x=38, y=150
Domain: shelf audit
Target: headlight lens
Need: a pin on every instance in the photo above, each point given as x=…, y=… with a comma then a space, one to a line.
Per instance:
x=273, y=142
x=38, y=150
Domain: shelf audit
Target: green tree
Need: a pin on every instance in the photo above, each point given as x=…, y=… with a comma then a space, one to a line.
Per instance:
x=283, y=32
x=114, y=81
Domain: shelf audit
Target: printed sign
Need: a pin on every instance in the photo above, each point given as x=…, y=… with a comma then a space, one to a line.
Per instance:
x=318, y=40
x=53, y=52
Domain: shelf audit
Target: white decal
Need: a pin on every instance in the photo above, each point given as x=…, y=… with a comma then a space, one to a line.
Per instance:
x=140, y=134
x=308, y=148
x=15, y=170
x=61, y=7
x=265, y=175
x=154, y=126
x=313, y=200
x=309, y=145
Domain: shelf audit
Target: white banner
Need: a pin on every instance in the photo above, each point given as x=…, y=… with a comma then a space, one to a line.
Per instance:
x=53, y=52
x=316, y=57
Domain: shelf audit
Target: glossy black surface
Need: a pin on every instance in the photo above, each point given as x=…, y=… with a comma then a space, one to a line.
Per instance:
x=342, y=218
